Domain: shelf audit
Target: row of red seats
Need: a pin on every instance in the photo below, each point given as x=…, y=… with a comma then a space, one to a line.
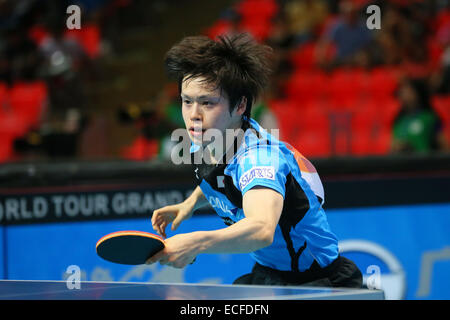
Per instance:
x=344, y=87
x=21, y=108
x=256, y=17
x=319, y=130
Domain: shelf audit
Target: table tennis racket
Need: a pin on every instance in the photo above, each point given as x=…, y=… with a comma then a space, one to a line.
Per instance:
x=129, y=247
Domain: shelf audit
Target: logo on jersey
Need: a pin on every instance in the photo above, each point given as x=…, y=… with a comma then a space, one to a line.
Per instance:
x=220, y=205
x=266, y=172
x=220, y=182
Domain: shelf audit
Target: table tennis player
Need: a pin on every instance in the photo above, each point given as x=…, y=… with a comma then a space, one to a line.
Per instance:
x=269, y=196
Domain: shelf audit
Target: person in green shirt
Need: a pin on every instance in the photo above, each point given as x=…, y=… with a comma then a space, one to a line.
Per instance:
x=416, y=128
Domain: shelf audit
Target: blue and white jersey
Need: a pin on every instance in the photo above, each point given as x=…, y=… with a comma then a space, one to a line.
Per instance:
x=302, y=235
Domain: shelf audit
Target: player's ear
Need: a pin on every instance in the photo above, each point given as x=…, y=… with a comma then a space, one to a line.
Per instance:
x=241, y=106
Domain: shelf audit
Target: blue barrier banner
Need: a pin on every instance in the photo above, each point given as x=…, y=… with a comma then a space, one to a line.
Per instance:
x=405, y=250
x=3, y=257
x=45, y=251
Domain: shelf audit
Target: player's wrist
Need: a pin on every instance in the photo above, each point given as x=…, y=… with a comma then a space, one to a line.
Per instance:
x=199, y=242
x=190, y=203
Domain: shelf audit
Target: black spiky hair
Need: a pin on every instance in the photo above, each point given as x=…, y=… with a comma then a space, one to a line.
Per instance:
x=238, y=65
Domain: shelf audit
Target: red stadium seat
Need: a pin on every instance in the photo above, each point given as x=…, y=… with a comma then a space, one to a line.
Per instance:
x=389, y=109
x=28, y=101
x=88, y=37
x=6, y=146
x=382, y=142
x=4, y=98
x=141, y=149
x=347, y=88
x=312, y=136
x=314, y=144
x=307, y=86
x=259, y=10
x=314, y=116
x=372, y=126
x=38, y=34
x=220, y=27
x=18, y=108
x=260, y=30
x=435, y=52
x=9, y=129
x=382, y=83
x=13, y=125
x=441, y=104
x=360, y=143
x=363, y=124
x=304, y=57
x=285, y=111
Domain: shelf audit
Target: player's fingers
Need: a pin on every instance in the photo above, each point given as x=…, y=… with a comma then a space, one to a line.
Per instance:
x=157, y=224
x=176, y=223
x=181, y=216
x=163, y=214
x=160, y=228
x=156, y=257
x=156, y=215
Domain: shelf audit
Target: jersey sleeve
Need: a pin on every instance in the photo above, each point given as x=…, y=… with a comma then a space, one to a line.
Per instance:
x=264, y=167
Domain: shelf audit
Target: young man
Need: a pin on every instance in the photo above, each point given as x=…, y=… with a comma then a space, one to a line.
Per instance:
x=268, y=194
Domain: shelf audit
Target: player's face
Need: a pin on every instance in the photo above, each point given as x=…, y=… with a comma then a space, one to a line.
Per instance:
x=206, y=107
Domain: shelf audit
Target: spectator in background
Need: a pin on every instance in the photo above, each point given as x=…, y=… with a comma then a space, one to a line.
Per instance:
x=349, y=34
x=303, y=17
x=63, y=59
x=416, y=128
x=388, y=40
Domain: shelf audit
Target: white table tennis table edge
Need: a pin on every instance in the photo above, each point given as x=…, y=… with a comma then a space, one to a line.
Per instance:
x=312, y=296
x=343, y=291
x=193, y=284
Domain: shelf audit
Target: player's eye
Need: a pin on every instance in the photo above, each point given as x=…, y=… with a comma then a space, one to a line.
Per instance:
x=187, y=101
x=209, y=103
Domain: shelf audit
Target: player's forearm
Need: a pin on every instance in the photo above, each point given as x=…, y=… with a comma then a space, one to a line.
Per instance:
x=197, y=199
x=245, y=236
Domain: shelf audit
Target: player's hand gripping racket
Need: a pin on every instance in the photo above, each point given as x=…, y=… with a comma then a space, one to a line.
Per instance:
x=129, y=247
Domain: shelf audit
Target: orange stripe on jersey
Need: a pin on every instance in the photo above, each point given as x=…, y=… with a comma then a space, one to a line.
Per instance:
x=304, y=164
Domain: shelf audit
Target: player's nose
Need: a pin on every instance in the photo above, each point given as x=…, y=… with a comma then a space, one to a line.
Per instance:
x=196, y=112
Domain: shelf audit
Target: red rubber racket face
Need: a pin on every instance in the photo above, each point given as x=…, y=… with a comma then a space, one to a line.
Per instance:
x=129, y=247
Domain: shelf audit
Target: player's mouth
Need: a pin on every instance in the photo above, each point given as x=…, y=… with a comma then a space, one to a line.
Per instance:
x=196, y=131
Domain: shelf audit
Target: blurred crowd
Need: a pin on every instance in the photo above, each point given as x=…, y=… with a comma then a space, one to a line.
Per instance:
x=338, y=87
x=355, y=89
x=45, y=69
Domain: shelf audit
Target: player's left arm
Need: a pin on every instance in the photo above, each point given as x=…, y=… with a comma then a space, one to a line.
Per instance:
x=262, y=208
